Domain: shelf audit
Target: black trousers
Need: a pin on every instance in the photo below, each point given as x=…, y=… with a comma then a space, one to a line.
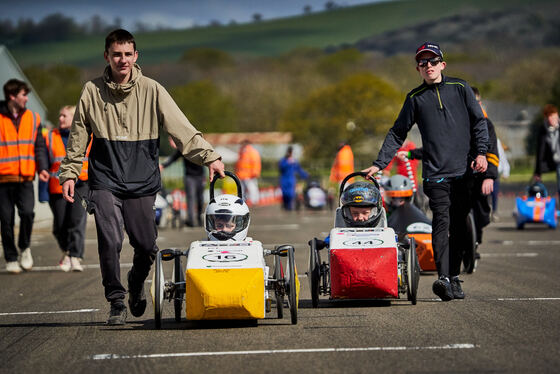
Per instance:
x=450, y=205
x=137, y=217
x=480, y=205
x=14, y=195
x=69, y=222
x=194, y=190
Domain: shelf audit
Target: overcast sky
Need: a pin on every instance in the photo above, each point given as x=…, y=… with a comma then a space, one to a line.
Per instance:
x=168, y=13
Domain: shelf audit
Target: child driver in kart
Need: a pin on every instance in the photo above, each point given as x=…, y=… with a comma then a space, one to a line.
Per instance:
x=360, y=206
x=227, y=218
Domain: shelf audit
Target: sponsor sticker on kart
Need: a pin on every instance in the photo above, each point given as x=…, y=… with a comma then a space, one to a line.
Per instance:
x=355, y=238
x=225, y=255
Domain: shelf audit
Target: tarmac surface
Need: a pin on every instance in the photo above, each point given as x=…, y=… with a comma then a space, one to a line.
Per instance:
x=51, y=321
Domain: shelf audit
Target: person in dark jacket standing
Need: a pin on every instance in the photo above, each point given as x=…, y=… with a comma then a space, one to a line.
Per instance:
x=448, y=117
x=124, y=110
x=289, y=168
x=22, y=154
x=194, y=182
x=482, y=184
x=548, y=145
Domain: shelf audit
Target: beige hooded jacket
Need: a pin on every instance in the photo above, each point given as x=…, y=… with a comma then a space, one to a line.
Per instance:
x=125, y=121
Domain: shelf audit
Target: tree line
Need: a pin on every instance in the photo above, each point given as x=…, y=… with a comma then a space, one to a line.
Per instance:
x=54, y=27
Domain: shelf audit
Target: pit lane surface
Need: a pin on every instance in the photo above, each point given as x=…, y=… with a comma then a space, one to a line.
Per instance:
x=52, y=321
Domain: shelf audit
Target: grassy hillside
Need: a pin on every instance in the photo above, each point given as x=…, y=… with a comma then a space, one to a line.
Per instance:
x=346, y=25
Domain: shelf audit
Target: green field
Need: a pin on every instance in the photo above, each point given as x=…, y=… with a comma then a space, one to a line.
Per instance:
x=266, y=38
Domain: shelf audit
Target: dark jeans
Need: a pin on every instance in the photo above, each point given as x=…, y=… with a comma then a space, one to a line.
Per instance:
x=495, y=193
x=194, y=189
x=14, y=195
x=137, y=216
x=69, y=222
x=449, y=202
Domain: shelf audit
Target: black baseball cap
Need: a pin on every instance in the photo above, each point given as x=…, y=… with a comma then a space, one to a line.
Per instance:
x=430, y=47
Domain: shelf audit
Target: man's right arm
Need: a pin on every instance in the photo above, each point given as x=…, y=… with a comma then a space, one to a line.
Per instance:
x=395, y=138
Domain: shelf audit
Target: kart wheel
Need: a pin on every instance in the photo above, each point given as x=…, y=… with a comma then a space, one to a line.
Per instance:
x=469, y=256
x=412, y=272
x=292, y=281
x=179, y=279
x=159, y=283
x=279, y=277
x=314, y=273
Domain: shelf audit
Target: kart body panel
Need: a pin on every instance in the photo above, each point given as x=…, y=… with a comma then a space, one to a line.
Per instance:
x=535, y=210
x=225, y=280
x=363, y=263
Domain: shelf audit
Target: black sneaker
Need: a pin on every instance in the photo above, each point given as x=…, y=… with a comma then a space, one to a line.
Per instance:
x=136, y=297
x=117, y=315
x=442, y=288
x=456, y=287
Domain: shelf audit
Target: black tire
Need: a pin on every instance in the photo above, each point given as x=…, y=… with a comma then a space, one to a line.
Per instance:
x=179, y=280
x=292, y=290
x=314, y=273
x=412, y=272
x=279, y=277
x=469, y=257
x=158, y=291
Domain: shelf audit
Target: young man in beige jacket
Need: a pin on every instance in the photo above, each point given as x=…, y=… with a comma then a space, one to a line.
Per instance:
x=124, y=111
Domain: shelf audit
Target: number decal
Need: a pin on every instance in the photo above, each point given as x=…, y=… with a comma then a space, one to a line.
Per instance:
x=225, y=257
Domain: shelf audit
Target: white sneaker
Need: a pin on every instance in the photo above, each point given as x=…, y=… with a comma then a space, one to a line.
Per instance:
x=76, y=264
x=26, y=259
x=65, y=264
x=13, y=267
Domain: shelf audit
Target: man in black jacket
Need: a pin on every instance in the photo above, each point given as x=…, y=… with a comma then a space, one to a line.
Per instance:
x=483, y=183
x=548, y=145
x=448, y=117
x=194, y=181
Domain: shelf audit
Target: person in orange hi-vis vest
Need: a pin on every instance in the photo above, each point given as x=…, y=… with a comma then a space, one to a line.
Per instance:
x=69, y=220
x=22, y=154
x=343, y=163
x=248, y=170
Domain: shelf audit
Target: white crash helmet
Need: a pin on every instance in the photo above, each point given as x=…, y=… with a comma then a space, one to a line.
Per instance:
x=227, y=218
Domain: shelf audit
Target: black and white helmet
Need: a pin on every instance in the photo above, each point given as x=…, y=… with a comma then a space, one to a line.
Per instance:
x=227, y=218
x=361, y=194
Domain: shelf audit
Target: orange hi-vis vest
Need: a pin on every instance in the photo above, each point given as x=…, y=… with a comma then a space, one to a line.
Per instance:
x=249, y=164
x=343, y=164
x=17, y=147
x=57, y=152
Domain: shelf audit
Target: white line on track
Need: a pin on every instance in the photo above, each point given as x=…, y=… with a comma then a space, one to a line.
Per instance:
x=112, y=356
x=519, y=254
x=529, y=242
x=51, y=268
x=529, y=299
x=52, y=312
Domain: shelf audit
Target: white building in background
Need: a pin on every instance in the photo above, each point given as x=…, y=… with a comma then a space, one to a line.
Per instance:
x=10, y=69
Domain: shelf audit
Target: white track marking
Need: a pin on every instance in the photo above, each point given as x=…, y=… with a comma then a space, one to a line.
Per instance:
x=51, y=268
x=52, y=312
x=529, y=299
x=519, y=254
x=527, y=242
x=112, y=356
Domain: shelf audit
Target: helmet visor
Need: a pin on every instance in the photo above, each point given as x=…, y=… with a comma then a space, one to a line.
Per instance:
x=226, y=223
